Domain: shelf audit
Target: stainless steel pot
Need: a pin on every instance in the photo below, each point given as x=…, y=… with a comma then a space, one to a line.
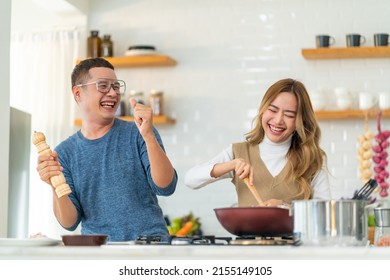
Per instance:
x=330, y=222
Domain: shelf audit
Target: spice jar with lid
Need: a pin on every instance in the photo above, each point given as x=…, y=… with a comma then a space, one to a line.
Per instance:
x=107, y=46
x=382, y=229
x=94, y=44
x=156, y=102
x=138, y=96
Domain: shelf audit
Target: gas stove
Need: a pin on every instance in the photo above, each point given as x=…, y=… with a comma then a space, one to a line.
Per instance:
x=217, y=241
x=256, y=240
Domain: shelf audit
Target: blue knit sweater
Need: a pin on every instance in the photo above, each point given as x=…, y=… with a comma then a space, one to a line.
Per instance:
x=111, y=184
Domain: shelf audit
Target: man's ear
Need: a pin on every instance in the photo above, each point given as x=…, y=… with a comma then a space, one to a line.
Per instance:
x=76, y=93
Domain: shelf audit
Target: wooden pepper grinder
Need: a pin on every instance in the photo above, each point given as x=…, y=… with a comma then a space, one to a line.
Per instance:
x=58, y=181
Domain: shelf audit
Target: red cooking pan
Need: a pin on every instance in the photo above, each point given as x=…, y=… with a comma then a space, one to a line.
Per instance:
x=256, y=221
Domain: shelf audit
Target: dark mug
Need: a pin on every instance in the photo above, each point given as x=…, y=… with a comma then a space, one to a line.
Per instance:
x=355, y=40
x=324, y=41
x=381, y=39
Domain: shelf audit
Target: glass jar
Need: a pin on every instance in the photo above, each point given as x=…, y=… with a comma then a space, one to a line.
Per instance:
x=382, y=230
x=138, y=96
x=107, y=46
x=94, y=44
x=157, y=102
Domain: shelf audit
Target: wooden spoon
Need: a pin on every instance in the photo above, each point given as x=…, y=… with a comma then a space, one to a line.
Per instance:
x=254, y=192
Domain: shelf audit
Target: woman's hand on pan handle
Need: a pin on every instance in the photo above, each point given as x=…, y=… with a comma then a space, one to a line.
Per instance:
x=276, y=203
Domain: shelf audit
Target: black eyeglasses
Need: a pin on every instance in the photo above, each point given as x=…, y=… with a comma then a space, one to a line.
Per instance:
x=104, y=86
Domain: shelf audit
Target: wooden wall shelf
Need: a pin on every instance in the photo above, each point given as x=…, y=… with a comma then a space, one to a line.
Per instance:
x=155, y=60
x=156, y=120
x=349, y=114
x=355, y=52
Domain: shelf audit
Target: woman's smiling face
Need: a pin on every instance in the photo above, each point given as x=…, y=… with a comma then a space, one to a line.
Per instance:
x=278, y=120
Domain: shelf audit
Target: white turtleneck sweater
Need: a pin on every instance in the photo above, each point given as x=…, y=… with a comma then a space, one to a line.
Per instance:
x=274, y=158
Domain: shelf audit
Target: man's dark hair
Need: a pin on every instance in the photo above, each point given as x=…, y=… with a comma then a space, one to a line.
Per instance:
x=81, y=70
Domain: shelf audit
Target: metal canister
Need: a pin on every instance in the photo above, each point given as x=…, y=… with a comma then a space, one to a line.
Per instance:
x=157, y=102
x=138, y=96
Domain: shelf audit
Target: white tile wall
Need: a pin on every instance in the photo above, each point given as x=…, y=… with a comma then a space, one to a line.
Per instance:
x=229, y=52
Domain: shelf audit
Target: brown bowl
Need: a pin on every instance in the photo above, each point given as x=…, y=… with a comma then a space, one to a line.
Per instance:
x=85, y=239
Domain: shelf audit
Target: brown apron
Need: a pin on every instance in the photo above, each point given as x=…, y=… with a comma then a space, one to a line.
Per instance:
x=268, y=187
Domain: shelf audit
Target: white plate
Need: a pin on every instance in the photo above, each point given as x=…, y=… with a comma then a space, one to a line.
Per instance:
x=131, y=242
x=27, y=242
x=139, y=52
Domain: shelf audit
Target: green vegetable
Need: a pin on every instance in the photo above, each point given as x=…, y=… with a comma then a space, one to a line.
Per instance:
x=178, y=223
x=371, y=221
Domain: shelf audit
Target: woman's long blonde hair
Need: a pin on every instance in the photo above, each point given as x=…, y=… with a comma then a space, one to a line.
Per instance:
x=305, y=156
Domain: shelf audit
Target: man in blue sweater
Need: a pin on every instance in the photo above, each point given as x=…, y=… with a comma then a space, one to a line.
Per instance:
x=114, y=168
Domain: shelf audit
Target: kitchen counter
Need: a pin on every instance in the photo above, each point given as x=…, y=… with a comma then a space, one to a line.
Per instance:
x=198, y=252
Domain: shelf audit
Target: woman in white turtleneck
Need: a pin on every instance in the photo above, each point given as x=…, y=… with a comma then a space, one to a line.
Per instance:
x=281, y=156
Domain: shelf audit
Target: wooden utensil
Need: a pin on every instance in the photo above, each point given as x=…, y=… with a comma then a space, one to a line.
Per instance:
x=254, y=192
x=58, y=181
